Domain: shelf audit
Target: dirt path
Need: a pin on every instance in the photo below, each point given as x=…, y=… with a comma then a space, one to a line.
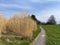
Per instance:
x=41, y=39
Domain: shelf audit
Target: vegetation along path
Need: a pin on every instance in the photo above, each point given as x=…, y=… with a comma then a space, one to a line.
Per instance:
x=41, y=39
x=52, y=34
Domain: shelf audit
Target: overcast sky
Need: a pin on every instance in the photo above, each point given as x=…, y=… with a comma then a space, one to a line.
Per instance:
x=41, y=8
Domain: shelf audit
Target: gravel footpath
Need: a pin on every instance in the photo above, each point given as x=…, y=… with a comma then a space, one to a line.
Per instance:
x=41, y=38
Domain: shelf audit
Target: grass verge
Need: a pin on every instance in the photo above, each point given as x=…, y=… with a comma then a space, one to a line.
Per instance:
x=53, y=34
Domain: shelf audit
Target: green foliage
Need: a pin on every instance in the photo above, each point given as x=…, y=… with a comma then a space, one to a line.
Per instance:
x=37, y=32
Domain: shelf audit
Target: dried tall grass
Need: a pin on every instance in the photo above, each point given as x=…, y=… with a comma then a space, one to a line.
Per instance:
x=3, y=22
x=19, y=25
x=22, y=25
x=14, y=25
x=29, y=26
x=31, y=23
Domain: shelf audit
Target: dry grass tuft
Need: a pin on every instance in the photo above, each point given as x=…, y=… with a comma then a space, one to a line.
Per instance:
x=3, y=22
x=31, y=23
x=28, y=26
x=19, y=25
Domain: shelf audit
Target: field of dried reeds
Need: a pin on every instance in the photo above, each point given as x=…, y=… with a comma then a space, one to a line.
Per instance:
x=20, y=25
x=3, y=23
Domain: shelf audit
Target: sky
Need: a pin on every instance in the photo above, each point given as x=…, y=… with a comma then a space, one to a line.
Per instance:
x=42, y=9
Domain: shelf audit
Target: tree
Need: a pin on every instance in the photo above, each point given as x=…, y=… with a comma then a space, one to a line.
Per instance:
x=51, y=20
x=43, y=23
x=34, y=18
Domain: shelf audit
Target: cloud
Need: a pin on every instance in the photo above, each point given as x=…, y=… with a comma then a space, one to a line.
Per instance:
x=38, y=1
x=41, y=8
x=45, y=14
x=14, y=6
x=43, y=1
x=35, y=1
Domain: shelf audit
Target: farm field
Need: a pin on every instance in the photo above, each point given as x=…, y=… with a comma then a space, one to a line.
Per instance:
x=19, y=42
x=53, y=34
